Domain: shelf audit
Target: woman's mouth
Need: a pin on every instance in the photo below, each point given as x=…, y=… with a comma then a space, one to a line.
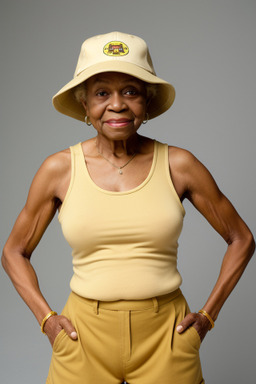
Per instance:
x=118, y=123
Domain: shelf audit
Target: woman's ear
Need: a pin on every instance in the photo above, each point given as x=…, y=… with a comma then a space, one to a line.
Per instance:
x=148, y=101
x=84, y=105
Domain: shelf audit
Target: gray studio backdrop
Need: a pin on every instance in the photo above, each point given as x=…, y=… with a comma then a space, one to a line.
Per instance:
x=207, y=50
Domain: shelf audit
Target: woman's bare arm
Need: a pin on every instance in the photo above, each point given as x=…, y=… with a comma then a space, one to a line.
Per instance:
x=39, y=210
x=195, y=182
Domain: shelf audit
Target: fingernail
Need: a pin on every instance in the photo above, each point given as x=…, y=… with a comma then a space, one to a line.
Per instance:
x=179, y=328
x=73, y=335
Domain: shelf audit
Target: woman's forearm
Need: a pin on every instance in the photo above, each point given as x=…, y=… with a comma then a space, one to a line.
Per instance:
x=234, y=263
x=25, y=281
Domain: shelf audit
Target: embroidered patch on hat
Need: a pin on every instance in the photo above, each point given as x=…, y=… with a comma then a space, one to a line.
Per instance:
x=116, y=48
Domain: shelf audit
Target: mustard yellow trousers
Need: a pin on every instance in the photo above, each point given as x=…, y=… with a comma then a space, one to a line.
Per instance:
x=126, y=340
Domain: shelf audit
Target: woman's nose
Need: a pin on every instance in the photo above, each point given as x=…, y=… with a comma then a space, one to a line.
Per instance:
x=117, y=103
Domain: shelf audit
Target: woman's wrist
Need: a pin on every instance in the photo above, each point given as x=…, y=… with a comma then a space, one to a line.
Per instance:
x=50, y=314
x=206, y=314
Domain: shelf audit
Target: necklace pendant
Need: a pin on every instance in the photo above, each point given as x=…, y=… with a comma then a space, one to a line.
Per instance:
x=120, y=172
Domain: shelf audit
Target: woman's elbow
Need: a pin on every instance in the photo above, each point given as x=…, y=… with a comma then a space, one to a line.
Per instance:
x=9, y=258
x=249, y=244
x=5, y=258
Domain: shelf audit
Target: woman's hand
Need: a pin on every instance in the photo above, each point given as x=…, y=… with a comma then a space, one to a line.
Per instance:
x=196, y=320
x=55, y=324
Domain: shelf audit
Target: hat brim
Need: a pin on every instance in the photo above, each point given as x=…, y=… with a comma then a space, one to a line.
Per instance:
x=65, y=102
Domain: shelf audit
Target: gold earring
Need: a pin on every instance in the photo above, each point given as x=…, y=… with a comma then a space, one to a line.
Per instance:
x=147, y=117
x=87, y=120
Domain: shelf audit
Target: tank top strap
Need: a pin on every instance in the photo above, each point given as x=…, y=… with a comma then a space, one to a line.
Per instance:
x=77, y=154
x=162, y=161
x=162, y=171
x=77, y=161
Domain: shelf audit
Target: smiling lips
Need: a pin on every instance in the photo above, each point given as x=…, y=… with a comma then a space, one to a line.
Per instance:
x=118, y=122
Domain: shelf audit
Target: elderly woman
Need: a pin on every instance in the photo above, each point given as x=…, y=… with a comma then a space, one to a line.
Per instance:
x=119, y=197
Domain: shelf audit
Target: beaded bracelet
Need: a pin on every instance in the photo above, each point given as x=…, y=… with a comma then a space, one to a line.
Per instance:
x=50, y=314
x=204, y=313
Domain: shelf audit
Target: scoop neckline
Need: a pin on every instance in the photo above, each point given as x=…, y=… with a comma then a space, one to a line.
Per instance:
x=119, y=193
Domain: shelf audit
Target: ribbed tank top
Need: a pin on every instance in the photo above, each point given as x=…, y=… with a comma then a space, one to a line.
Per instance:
x=124, y=243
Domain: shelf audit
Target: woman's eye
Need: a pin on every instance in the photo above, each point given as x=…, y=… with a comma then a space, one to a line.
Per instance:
x=131, y=92
x=101, y=93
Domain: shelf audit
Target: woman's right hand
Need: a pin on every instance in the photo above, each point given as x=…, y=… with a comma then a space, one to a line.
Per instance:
x=55, y=324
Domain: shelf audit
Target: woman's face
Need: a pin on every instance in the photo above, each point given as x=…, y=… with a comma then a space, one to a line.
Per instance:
x=115, y=104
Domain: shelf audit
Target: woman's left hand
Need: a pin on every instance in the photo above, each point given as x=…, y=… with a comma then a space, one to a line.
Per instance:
x=196, y=320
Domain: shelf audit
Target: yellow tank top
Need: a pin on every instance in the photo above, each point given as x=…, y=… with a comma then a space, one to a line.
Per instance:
x=124, y=243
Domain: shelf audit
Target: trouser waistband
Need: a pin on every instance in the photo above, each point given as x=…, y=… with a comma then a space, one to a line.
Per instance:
x=128, y=305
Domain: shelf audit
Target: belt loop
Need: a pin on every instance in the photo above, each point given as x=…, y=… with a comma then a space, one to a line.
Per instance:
x=96, y=307
x=155, y=304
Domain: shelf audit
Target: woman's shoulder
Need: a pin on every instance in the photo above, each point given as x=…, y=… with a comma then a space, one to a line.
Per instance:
x=60, y=162
x=54, y=173
x=185, y=166
x=180, y=158
x=57, y=162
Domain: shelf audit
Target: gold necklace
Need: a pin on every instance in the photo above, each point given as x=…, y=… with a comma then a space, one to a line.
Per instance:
x=120, y=169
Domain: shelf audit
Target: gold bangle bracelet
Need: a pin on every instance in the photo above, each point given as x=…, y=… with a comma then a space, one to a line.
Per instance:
x=204, y=313
x=50, y=314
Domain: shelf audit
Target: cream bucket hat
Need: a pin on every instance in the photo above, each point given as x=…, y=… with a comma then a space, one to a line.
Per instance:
x=114, y=52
